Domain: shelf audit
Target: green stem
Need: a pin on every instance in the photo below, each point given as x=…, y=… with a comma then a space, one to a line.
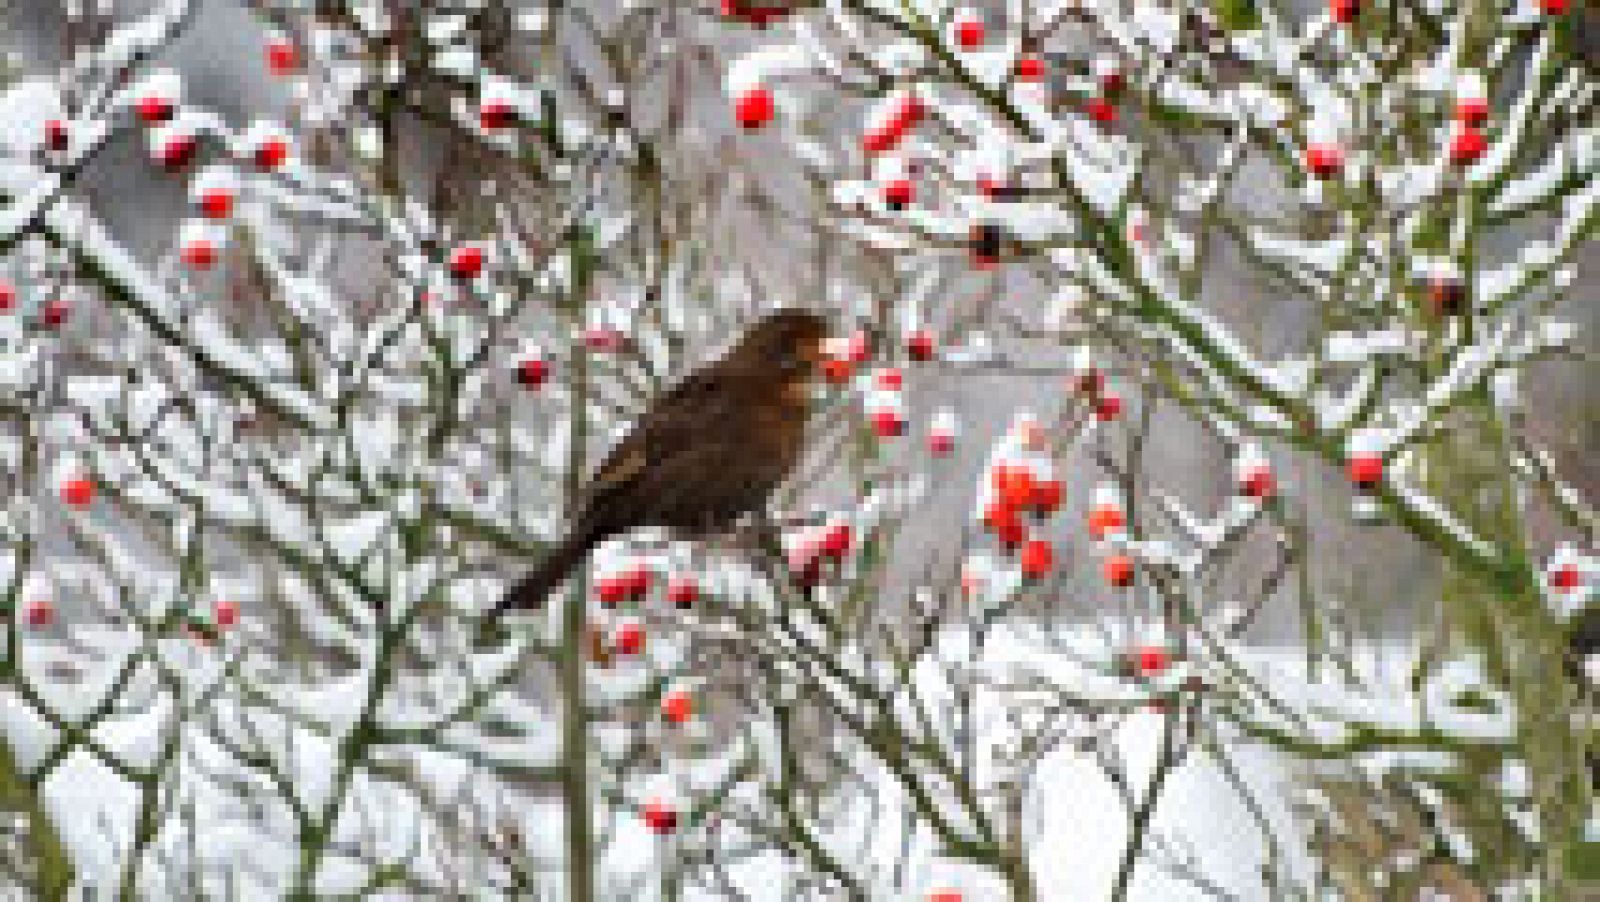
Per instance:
x=52, y=872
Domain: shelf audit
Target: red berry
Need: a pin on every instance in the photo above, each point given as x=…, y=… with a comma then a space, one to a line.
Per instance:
x=225, y=613
x=919, y=346
x=637, y=579
x=907, y=113
x=1030, y=67
x=1365, y=470
x=888, y=378
x=533, y=372
x=754, y=108
x=945, y=895
x=1005, y=523
x=610, y=590
x=888, y=424
x=1151, y=660
x=56, y=135
x=466, y=262
x=1119, y=570
x=837, y=370
x=885, y=136
x=216, y=203
x=177, y=151
x=677, y=706
x=629, y=639
x=1553, y=7
x=1467, y=146
x=1108, y=407
x=683, y=592
x=836, y=540
x=78, y=492
x=1472, y=110
x=1102, y=110
x=1566, y=578
x=1257, y=483
x=970, y=33
x=940, y=444
x=1105, y=520
x=272, y=153
x=1324, y=161
x=1014, y=486
x=8, y=298
x=660, y=817
x=1047, y=495
x=897, y=194
x=282, y=57
x=39, y=613
x=54, y=313
x=154, y=108
x=495, y=114
x=1038, y=557
x=199, y=255
x=1344, y=11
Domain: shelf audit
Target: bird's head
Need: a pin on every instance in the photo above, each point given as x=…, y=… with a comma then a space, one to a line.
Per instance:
x=787, y=340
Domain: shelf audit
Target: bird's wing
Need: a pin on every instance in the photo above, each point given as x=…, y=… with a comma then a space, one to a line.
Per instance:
x=624, y=464
x=675, y=421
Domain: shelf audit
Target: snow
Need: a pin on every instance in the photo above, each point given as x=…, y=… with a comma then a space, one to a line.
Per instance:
x=1225, y=840
x=334, y=704
x=28, y=735
x=25, y=107
x=40, y=188
x=1537, y=186
x=1351, y=347
x=1105, y=180
x=73, y=698
x=1435, y=512
x=135, y=738
x=352, y=537
x=377, y=440
x=93, y=813
x=1075, y=807
x=762, y=65
x=1496, y=162
x=74, y=227
x=1158, y=24
x=1319, y=256
x=1075, y=819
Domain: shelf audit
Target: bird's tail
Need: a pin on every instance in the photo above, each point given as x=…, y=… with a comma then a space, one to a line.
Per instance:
x=531, y=590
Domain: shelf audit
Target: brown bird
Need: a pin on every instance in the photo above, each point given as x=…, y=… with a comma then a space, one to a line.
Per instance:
x=708, y=451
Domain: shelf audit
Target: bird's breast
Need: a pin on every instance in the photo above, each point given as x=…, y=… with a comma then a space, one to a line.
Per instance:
x=778, y=420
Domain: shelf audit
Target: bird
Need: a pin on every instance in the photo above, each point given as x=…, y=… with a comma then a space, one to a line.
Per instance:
x=711, y=449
